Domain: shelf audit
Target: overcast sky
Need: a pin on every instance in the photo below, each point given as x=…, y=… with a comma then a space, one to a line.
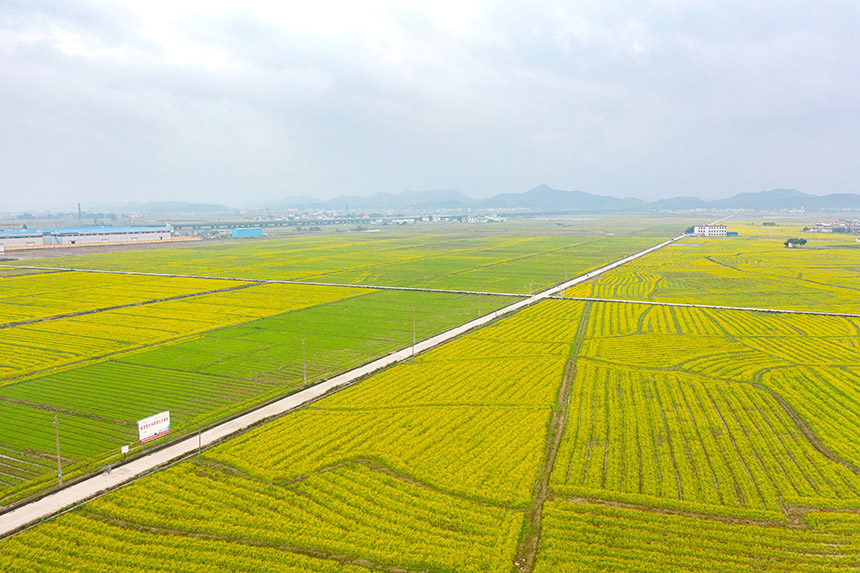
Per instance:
x=240, y=102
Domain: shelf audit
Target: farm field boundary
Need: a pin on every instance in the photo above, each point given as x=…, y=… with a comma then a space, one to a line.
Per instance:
x=79, y=492
x=712, y=306
x=39, y=348
x=128, y=305
x=206, y=379
x=257, y=282
x=509, y=263
x=524, y=559
x=274, y=281
x=739, y=272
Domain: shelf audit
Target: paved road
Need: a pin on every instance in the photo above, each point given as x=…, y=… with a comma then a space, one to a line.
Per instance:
x=79, y=492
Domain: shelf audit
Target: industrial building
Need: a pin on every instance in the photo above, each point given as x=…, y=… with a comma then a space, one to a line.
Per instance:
x=710, y=231
x=35, y=238
x=245, y=232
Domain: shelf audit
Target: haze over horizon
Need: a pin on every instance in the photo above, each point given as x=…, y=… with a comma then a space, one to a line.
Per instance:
x=210, y=102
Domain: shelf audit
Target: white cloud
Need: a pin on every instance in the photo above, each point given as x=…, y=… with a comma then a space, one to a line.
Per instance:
x=203, y=98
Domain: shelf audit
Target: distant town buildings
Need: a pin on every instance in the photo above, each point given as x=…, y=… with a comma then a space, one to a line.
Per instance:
x=485, y=219
x=836, y=226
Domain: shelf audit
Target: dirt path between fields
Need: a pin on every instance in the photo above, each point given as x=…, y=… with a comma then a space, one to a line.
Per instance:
x=526, y=555
x=802, y=424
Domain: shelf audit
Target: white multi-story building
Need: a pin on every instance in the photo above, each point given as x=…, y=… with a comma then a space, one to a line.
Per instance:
x=710, y=231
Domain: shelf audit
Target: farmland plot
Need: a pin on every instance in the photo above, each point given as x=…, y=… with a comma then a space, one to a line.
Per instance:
x=34, y=296
x=206, y=377
x=38, y=347
x=581, y=536
x=432, y=465
x=694, y=405
x=751, y=272
x=427, y=465
x=514, y=264
x=691, y=438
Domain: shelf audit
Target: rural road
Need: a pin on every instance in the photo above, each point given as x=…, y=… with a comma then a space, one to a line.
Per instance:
x=79, y=492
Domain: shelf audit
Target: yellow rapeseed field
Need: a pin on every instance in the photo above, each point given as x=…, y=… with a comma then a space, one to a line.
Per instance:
x=45, y=346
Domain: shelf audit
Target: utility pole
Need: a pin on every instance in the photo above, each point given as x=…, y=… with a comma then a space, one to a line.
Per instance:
x=198, y=442
x=413, y=334
x=304, y=363
x=479, y=303
x=57, y=434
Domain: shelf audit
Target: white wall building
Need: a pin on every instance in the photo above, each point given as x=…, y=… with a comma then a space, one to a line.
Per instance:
x=710, y=231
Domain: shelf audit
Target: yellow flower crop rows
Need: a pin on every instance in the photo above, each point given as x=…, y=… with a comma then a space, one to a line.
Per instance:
x=664, y=414
x=352, y=511
x=685, y=437
x=41, y=346
x=690, y=429
x=578, y=536
x=500, y=263
x=828, y=398
x=28, y=297
x=462, y=419
x=657, y=350
x=424, y=466
x=76, y=543
x=749, y=272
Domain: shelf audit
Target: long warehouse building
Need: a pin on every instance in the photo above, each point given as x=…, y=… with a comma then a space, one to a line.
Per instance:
x=34, y=238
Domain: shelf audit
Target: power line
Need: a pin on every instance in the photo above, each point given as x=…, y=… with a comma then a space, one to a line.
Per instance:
x=304, y=363
x=57, y=435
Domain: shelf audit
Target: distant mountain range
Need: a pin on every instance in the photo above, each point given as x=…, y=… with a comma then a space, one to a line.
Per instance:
x=183, y=207
x=541, y=198
x=435, y=199
x=160, y=208
x=545, y=198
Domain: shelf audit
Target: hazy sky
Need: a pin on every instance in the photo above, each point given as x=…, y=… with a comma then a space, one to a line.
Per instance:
x=242, y=102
